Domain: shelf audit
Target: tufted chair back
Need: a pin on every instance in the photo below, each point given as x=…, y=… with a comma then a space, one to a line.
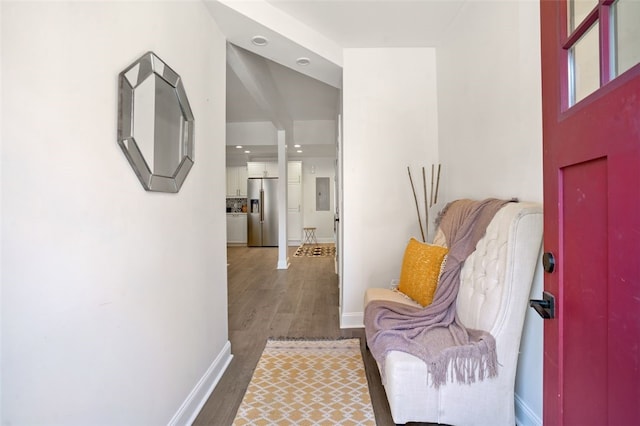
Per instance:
x=495, y=283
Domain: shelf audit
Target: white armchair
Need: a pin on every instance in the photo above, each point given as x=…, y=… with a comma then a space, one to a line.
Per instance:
x=494, y=290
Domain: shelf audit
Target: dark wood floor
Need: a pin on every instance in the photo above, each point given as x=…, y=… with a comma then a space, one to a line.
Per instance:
x=264, y=302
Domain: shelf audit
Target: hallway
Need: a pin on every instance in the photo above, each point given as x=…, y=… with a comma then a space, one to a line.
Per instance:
x=264, y=302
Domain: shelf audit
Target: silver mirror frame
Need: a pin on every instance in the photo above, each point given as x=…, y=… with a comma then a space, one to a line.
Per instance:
x=150, y=65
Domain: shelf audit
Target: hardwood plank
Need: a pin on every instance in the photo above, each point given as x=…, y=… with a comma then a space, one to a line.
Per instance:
x=264, y=302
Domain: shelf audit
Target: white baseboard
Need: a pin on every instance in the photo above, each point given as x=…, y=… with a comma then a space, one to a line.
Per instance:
x=191, y=407
x=352, y=320
x=524, y=415
x=328, y=240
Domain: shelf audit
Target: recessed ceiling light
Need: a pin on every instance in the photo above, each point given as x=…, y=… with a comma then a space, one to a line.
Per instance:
x=299, y=151
x=239, y=146
x=303, y=62
x=297, y=145
x=259, y=40
x=247, y=152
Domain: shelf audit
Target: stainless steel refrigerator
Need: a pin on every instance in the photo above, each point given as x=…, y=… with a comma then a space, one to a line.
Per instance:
x=262, y=212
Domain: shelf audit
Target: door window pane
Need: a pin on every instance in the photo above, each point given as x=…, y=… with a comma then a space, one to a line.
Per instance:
x=585, y=65
x=626, y=31
x=578, y=10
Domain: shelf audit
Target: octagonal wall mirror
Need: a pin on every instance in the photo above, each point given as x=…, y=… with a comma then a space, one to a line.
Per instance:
x=155, y=124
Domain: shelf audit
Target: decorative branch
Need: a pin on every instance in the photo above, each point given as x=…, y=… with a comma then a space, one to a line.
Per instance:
x=417, y=208
x=428, y=202
x=426, y=206
x=437, y=184
x=431, y=203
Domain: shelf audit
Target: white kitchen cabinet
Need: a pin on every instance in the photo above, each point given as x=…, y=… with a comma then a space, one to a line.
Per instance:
x=270, y=169
x=262, y=169
x=255, y=170
x=294, y=198
x=294, y=211
x=294, y=171
x=236, y=228
x=294, y=227
x=237, y=181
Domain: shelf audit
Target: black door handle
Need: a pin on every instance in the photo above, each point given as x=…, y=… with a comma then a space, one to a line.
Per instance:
x=546, y=307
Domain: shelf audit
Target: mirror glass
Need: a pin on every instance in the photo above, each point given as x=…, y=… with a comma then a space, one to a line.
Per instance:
x=155, y=124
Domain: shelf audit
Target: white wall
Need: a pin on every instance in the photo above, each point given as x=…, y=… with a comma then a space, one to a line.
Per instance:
x=113, y=298
x=390, y=122
x=1, y=211
x=313, y=168
x=314, y=132
x=251, y=133
x=489, y=104
x=490, y=131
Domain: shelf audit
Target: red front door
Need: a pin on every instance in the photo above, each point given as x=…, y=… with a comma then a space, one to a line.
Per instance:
x=592, y=218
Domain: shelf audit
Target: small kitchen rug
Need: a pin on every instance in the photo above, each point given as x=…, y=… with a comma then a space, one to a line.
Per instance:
x=310, y=382
x=306, y=250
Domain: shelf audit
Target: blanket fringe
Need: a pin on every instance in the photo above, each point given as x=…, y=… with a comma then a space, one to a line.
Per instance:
x=463, y=367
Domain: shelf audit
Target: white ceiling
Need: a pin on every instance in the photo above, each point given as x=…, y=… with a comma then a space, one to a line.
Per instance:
x=347, y=23
x=377, y=23
x=305, y=98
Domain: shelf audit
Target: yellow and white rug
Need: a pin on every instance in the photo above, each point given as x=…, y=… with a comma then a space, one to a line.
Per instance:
x=308, y=382
x=318, y=250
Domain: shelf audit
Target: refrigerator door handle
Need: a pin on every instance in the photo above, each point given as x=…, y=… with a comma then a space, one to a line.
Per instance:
x=261, y=206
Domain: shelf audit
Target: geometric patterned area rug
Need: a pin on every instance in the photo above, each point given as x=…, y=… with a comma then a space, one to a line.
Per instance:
x=308, y=382
x=328, y=250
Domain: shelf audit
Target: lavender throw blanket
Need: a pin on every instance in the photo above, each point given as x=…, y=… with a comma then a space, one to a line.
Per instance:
x=434, y=333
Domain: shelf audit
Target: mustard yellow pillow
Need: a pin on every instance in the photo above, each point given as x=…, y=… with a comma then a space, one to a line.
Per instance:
x=420, y=270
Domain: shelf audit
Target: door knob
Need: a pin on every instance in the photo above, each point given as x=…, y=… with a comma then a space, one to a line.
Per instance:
x=546, y=307
x=548, y=262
